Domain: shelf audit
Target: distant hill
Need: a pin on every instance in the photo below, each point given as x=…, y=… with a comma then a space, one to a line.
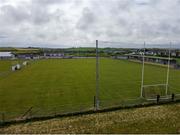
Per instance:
x=7, y=49
x=19, y=50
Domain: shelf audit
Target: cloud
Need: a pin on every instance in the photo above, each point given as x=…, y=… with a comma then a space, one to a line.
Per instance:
x=39, y=15
x=49, y=2
x=53, y=22
x=10, y=14
x=86, y=20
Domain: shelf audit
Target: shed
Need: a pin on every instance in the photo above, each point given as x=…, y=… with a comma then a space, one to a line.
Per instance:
x=6, y=55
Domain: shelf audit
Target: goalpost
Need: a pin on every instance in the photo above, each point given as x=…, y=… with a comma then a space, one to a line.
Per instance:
x=152, y=90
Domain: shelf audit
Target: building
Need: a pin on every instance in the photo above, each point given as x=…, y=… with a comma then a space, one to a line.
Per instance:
x=6, y=55
x=27, y=55
x=153, y=59
x=53, y=55
x=122, y=57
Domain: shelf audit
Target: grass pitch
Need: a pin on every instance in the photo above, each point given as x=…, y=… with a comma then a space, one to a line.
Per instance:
x=65, y=85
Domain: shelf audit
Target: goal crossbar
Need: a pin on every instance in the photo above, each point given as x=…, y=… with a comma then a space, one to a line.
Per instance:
x=167, y=74
x=153, y=85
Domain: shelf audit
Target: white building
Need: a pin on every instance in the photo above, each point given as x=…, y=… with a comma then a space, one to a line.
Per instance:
x=6, y=55
x=53, y=55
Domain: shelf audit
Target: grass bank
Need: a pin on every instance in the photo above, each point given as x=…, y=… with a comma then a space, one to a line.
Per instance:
x=156, y=119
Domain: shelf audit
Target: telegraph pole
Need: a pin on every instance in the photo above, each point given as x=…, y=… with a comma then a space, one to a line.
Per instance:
x=97, y=76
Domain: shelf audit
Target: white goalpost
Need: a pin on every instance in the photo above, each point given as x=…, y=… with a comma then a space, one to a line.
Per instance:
x=167, y=79
x=152, y=90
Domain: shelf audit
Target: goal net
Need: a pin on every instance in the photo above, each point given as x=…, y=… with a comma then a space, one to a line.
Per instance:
x=151, y=91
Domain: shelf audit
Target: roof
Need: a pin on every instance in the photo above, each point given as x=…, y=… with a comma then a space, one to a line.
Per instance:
x=5, y=54
x=152, y=57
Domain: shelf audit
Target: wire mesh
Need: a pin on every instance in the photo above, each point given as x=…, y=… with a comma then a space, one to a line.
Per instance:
x=49, y=87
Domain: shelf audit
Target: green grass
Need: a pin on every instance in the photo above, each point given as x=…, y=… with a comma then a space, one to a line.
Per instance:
x=178, y=60
x=5, y=65
x=154, y=120
x=63, y=85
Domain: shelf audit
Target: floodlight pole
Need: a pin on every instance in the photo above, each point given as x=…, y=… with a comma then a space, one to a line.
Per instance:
x=169, y=59
x=142, y=81
x=97, y=76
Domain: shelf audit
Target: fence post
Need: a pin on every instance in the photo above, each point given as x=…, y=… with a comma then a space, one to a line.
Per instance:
x=173, y=96
x=55, y=111
x=30, y=114
x=3, y=118
x=94, y=102
x=158, y=97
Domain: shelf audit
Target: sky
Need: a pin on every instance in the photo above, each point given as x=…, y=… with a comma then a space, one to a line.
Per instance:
x=64, y=23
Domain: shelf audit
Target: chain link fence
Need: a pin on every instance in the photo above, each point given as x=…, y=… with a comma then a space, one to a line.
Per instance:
x=118, y=84
x=38, y=112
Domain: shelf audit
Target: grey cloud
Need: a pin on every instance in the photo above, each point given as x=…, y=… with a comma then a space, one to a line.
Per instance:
x=87, y=19
x=56, y=21
x=142, y=2
x=127, y=18
x=18, y=15
x=49, y=2
x=12, y=14
x=39, y=15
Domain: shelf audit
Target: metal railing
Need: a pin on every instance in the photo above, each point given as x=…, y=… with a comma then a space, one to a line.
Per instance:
x=31, y=112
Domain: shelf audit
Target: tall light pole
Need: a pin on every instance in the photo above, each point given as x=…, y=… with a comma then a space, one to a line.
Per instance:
x=97, y=76
x=142, y=81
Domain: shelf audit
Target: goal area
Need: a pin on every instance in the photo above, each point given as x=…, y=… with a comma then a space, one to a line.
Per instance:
x=154, y=90
x=151, y=91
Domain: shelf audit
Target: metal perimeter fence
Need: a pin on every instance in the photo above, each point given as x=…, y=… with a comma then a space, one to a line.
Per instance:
x=96, y=105
x=39, y=112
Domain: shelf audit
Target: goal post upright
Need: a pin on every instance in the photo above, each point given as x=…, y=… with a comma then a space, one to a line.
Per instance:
x=142, y=81
x=168, y=68
x=165, y=86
